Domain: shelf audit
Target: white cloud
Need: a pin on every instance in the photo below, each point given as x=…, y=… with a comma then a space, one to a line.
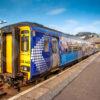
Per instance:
x=72, y=22
x=74, y=26
x=56, y=11
x=87, y=28
x=91, y=27
x=96, y=22
x=56, y=27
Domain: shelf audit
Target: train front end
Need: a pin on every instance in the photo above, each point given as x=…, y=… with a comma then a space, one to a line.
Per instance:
x=25, y=66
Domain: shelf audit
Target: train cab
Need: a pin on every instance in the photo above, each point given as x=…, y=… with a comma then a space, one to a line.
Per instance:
x=15, y=52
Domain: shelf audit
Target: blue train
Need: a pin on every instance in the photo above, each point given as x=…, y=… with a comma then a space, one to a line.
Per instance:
x=31, y=50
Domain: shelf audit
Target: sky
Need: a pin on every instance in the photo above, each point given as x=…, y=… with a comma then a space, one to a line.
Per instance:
x=69, y=16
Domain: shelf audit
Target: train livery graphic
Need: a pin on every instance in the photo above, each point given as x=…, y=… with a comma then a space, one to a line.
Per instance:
x=31, y=50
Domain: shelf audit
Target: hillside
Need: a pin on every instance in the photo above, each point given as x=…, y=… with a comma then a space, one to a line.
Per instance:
x=87, y=35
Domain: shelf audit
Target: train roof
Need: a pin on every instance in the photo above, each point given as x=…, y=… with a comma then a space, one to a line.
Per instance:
x=40, y=27
x=8, y=27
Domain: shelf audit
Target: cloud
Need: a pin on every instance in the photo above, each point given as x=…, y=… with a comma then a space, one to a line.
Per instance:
x=96, y=22
x=73, y=27
x=71, y=22
x=56, y=27
x=69, y=26
x=56, y=11
x=85, y=28
x=91, y=27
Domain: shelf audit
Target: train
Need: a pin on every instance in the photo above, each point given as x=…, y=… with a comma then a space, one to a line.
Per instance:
x=30, y=50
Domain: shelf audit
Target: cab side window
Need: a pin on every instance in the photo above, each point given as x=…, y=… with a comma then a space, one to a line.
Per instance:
x=25, y=43
x=24, y=40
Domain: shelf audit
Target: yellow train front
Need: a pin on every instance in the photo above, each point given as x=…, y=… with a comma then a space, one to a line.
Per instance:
x=15, y=54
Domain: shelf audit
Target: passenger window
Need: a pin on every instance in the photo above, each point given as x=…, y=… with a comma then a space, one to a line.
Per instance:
x=25, y=43
x=54, y=46
x=46, y=44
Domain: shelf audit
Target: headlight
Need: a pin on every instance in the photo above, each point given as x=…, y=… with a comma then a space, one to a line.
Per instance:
x=25, y=68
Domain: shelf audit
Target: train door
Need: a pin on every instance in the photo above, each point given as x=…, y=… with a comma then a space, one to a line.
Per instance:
x=9, y=53
x=55, y=52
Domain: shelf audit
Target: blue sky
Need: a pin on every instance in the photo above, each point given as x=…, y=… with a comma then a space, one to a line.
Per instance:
x=70, y=16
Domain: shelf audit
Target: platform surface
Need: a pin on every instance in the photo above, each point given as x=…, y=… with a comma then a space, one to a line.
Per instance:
x=79, y=82
x=86, y=86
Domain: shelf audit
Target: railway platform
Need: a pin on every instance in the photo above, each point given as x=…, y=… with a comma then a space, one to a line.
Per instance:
x=79, y=82
x=86, y=86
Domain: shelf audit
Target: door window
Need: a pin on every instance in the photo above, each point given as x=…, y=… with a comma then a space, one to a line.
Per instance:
x=46, y=44
x=54, y=46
